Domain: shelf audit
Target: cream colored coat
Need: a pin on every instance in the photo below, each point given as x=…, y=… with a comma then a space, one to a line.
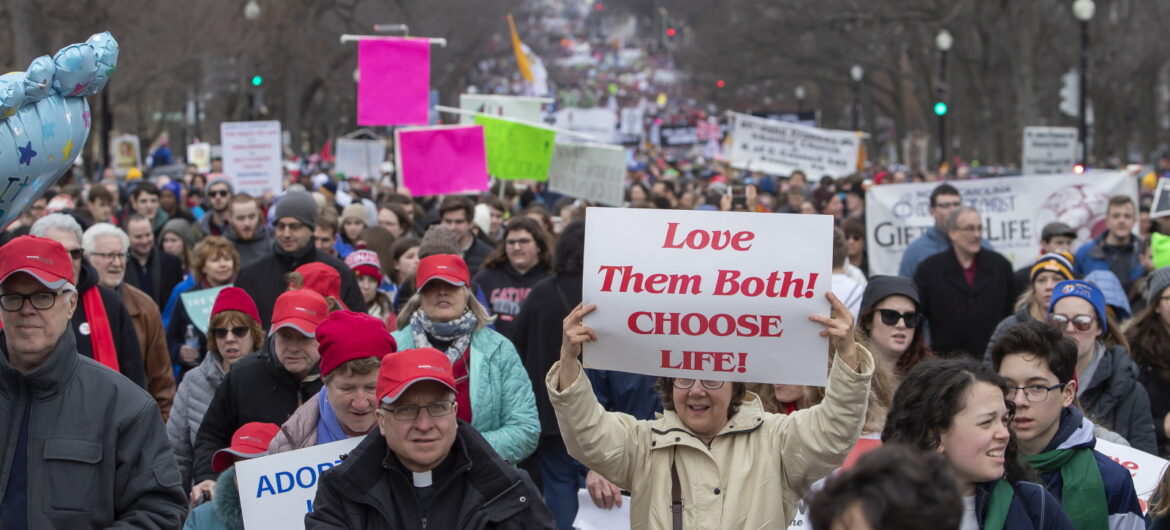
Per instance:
x=752, y=475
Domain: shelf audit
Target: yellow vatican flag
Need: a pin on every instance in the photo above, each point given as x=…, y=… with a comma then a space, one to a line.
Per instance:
x=521, y=56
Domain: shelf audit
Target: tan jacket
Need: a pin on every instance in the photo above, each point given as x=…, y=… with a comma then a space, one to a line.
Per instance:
x=152, y=340
x=752, y=475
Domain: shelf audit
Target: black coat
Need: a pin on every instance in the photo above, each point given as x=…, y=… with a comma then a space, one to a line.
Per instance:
x=476, y=489
x=125, y=338
x=506, y=289
x=264, y=280
x=165, y=270
x=962, y=317
x=257, y=388
x=538, y=336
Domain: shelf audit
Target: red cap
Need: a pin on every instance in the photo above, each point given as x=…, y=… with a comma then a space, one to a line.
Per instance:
x=345, y=336
x=42, y=258
x=250, y=441
x=447, y=267
x=321, y=278
x=407, y=367
x=301, y=309
x=235, y=299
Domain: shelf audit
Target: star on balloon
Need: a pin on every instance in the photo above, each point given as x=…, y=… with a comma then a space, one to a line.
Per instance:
x=67, y=149
x=26, y=154
x=78, y=89
x=47, y=129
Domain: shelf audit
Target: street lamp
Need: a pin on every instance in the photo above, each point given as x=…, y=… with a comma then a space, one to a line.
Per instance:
x=1083, y=10
x=252, y=11
x=856, y=72
x=944, y=41
x=799, y=98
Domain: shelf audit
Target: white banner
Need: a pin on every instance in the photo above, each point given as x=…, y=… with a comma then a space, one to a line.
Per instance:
x=360, y=158
x=519, y=107
x=1145, y=468
x=599, y=122
x=708, y=295
x=277, y=491
x=251, y=155
x=1015, y=210
x=1049, y=150
x=594, y=172
x=779, y=148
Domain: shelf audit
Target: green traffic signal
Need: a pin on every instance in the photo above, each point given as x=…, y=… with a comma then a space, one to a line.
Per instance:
x=257, y=80
x=940, y=108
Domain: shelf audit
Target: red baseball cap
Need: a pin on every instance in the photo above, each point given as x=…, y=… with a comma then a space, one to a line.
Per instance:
x=42, y=258
x=235, y=299
x=250, y=441
x=447, y=267
x=344, y=336
x=300, y=309
x=321, y=278
x=407, y=367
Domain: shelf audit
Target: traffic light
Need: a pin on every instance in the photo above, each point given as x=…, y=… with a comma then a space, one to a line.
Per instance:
x=1070, y=93
x=257, y=80
x=670, y=32
x=720, y=83
x=1079, y=169
x=940, y=108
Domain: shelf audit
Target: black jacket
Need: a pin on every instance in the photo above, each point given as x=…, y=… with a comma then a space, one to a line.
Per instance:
x=372, y=490
x=97, y=453
x=257, y=388
x=1032, y=508
x=962, y=317
x=264, y=280
x=476, y=254
x=506, y=289
x=165, y=270
x=125, y=338
x=253, y=249
x=1117, y=401
x=538, y=336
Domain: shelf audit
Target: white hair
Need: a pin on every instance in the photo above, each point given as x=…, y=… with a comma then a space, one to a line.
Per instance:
x=89, y=239
x=59, y=221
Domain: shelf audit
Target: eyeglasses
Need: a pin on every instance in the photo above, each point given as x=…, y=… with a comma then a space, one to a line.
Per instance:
x=290, y=226
x=40, y=300
x=947, y=205
x=219, y=193
x=1034, y=393
x=684, y=384
x=76, y=254
x=239, y=331
x=410, y=412
x=854, y=238
x=891, y=317
x=1079, y=322
x=972, y=228
x=108, y=255
x=518, y=242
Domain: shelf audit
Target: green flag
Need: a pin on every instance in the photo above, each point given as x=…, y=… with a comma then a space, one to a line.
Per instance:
x=517, y=151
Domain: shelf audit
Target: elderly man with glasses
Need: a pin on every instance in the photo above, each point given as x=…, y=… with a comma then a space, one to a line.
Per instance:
x=424, y=468
x=83, y=446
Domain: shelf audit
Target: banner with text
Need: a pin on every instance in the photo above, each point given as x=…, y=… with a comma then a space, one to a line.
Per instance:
x=276, y=491
x=251, y=155
x=1145, y=468
x=441, y=160
x=519, y=107
x=1015, y=210
x=594, y=172
x=779, y=148
x=198, y=305
x=515, y=150
x=1049, y=150
x=708, y=295
x=360, y=158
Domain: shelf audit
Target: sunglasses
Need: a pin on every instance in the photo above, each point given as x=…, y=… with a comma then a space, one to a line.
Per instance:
x=76, y=254
x=891, y=317
x=218, y=193
x=1079, y=322
x=239, y=331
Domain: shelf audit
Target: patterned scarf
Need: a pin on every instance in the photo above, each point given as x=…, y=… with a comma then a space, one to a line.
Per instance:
x=457, y=331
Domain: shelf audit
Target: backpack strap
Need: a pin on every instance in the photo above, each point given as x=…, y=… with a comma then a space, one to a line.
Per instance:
x=676, y=505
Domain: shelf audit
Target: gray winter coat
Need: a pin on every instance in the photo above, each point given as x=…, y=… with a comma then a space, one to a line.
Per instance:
x=253, y=249
x=191, y=402
x=97, y=450
x=1115, y=399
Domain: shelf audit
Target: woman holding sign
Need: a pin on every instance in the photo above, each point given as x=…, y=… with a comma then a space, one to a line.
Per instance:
x=715, y=459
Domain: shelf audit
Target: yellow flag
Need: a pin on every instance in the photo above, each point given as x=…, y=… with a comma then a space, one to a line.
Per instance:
x=521, y=57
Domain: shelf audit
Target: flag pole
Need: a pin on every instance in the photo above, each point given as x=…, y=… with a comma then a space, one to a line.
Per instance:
x=440, y=42
x=464, y=112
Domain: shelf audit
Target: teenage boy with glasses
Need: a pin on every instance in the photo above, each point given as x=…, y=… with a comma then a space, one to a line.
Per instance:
x=1053, y=434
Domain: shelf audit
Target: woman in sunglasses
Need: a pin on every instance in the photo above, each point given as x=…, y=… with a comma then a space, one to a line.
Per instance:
x=1047, y=271
x=216, y=263
x=1108, y=387
x=235, y=332
x=891, y=318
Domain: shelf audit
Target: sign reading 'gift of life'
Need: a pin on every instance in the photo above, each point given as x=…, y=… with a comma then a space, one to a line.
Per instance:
x=276, y=491
x=442, y=159
x=708, y=295
x=251, y=155
x=517, y=151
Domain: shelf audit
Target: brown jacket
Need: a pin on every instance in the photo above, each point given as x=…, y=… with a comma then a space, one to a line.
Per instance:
x=152, y=340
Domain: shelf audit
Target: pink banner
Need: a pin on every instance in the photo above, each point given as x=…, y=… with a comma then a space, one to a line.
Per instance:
x=441, y=160
x=394, y=80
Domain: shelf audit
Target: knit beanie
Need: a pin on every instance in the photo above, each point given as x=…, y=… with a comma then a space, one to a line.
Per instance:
x=345, y=336
x=1058, y=262
x=355, y=211
x=180, y=227
x=1083, y=290
x=1110, y=286
x=300, y=206
x=216, y=178
x=1158, y=282
x=235, y=299
x=365, y=263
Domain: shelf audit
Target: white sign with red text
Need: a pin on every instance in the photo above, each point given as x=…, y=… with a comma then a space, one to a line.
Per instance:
x=1145, y=468
x=708, y=295
x=251, y=155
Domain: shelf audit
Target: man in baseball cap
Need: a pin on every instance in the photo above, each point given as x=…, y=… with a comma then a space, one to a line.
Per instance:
x=43, y=376
x=249, y=441
x=420, y=440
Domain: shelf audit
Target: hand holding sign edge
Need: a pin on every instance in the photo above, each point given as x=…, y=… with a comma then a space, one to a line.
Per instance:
x=574, y=335
x=839, y=330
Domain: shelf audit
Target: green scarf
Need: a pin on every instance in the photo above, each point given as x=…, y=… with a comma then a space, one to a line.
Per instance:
x=1083, y=492
x=998, y=505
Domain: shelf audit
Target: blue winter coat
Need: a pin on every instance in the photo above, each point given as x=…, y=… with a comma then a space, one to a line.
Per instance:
x=503, y=407
x=1033, y=508
x=1092, y=257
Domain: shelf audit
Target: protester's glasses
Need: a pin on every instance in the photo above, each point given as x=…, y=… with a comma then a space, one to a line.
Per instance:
x=218, y=193
x=947, y=205
x=410, y=412
x=973, y=229
x=108, y=255
x=891, y=317
x=76, y=254
x=239, y=331
x=1034, y=393
x=295, y=227
x=684, y=384
x=40, y=300
x=1079, y=322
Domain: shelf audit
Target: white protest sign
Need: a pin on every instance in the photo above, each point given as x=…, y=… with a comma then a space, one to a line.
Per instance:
x=1049, y=150
x=251, y=155
x=276, y=491
x=593, y=172
x=1145, y=468
x=779, y=148
x=200, y=155
x=360, y=158
x=1015, y=210
x=708, y=295
x=599, y=122
x=1161, y=205
x=519, y=107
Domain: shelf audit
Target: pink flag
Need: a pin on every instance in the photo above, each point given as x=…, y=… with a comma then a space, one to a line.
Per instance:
x=394, y=81
x=441, y=160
